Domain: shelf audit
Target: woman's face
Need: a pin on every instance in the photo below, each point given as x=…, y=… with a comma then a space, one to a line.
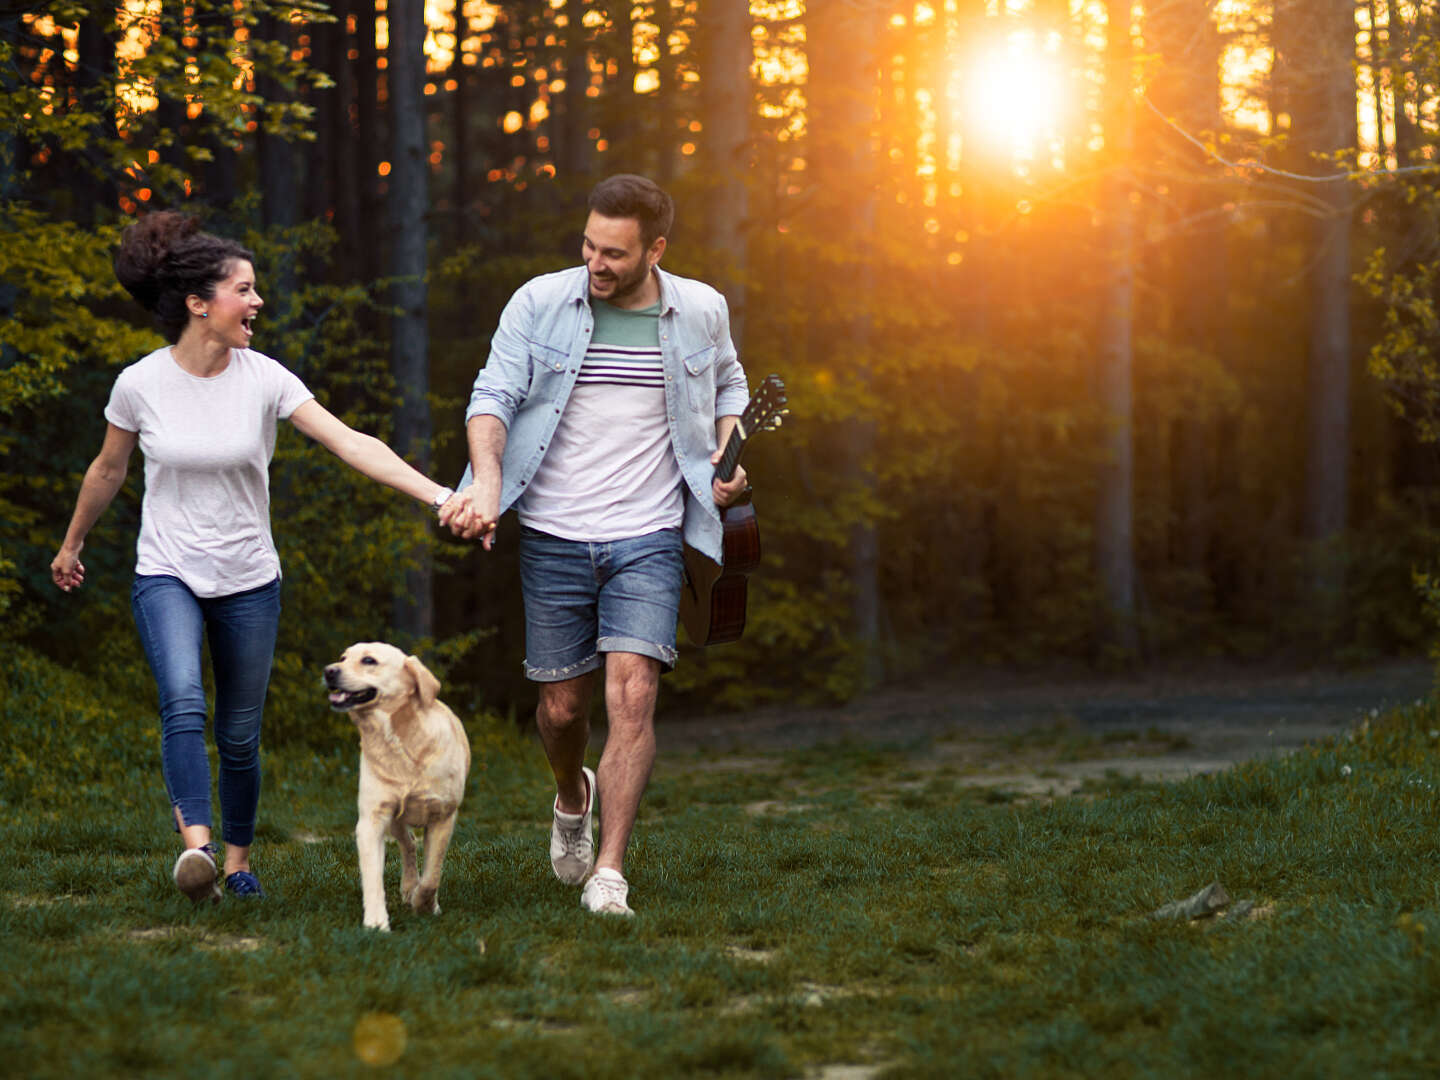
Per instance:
x=235, y=303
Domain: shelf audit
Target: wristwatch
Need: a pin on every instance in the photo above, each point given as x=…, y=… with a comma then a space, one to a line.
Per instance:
x=441, y=498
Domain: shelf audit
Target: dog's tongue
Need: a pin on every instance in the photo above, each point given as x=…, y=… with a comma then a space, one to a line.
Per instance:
x=338, y=696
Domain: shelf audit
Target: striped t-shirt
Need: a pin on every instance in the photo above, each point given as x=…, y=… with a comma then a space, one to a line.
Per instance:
x=610, y=472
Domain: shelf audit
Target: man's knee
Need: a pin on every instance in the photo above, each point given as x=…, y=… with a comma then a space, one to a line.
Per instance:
x=632, y=683
x=563, y=704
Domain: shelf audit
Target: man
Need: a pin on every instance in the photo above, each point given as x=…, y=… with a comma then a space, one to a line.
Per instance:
x=598, y=415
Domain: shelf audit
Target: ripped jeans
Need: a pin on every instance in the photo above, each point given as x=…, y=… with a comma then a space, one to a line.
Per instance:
x=241, y=628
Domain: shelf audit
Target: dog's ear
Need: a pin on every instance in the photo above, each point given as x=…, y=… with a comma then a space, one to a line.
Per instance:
x=426, y=684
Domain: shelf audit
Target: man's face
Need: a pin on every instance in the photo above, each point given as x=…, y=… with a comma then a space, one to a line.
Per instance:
x=618, y=262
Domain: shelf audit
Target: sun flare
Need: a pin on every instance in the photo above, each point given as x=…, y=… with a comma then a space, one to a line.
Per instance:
x=1012, y=98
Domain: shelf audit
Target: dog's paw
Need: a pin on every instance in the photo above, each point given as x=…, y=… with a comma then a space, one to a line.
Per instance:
x=423, y=899
x=382, y=923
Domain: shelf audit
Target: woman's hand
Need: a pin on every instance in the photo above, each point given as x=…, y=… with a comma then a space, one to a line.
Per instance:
x=67, y=571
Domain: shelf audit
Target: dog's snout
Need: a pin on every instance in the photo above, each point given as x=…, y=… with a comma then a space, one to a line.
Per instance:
x=332, y=675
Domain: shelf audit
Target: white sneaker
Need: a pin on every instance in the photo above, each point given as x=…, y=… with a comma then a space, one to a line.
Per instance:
x=572, y=839
x=195, y=874
x=605, y=893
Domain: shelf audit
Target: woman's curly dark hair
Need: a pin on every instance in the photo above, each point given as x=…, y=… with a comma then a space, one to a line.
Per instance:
x=165, y=257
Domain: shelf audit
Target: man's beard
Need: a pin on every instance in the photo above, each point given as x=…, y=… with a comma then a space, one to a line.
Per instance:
x=624, y=286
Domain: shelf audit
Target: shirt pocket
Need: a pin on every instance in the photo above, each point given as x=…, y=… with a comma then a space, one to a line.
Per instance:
x=547, y=368
x=700, y=380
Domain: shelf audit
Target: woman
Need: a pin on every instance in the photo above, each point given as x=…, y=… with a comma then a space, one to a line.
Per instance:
x=203, y=411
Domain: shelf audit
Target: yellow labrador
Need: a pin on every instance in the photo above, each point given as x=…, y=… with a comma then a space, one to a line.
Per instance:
x=414, y=758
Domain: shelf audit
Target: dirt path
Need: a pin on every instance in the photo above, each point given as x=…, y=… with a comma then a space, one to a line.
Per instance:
x=1031, y=734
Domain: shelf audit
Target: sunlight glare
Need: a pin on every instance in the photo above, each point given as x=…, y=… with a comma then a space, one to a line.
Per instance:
x=1012, y=95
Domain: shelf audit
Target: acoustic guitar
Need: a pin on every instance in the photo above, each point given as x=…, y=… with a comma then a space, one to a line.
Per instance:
x=712, y=604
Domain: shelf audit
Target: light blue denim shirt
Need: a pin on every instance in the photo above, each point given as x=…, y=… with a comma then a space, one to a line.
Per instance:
x=535, y=358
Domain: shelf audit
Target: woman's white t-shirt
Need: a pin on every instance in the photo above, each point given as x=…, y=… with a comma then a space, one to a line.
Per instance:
x=205, y=517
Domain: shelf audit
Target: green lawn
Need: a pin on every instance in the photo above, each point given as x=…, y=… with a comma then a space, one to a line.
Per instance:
x=797, y=912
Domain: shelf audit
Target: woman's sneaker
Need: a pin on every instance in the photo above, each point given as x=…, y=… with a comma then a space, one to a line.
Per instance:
x=196, y=876
x=244, y=884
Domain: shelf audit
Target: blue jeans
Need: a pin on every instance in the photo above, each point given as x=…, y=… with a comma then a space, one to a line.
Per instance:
x=583, y=599
x=173, y=622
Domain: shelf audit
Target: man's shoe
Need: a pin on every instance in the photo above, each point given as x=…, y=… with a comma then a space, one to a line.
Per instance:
x=244, y=884
x=605, y=893
x=195, y=874
x=572, y=842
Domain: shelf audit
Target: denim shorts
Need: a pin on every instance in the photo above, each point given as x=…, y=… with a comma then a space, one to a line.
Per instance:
x=583, y=599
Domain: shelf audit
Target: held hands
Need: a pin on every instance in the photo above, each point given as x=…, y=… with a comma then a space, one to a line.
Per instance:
x=67, y=571
x=472, y=513
x=729, y=492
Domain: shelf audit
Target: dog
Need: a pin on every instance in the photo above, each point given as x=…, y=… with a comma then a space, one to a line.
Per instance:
x=414, y=758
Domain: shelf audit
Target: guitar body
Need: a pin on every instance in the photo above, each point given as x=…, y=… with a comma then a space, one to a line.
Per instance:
x=712, y=603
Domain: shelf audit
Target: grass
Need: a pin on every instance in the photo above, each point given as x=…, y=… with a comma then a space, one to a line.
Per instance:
x=797, y=910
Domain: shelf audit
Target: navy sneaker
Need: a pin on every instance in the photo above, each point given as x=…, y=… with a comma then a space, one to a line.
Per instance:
x=196, y=876
x=244, y=884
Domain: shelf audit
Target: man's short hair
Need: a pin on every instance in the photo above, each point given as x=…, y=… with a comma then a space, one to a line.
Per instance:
x=626, y=195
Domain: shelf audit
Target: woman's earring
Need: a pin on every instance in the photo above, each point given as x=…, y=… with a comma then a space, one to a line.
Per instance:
x=204, y=314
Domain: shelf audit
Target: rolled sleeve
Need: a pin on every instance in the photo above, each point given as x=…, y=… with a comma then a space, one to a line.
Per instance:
x=501, y=385
x=731, y=392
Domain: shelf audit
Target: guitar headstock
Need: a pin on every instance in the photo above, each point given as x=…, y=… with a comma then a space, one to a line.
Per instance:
x=768, y=405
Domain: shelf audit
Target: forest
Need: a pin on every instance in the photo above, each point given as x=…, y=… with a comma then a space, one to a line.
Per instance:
x=1109, y=329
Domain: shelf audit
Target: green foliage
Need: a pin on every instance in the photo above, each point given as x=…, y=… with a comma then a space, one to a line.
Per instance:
x=940, y=359
x=1404, y=357
x=67, y=325
x=190, y=61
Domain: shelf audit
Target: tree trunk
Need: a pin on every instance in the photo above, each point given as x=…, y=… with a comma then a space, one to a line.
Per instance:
x=1328, y=452
x=279, y=182
x=349, y=169
x=1186, y=86
x=569, y=109
x=725, y=84
x=459, y=148
x=367, y=122
x=414, y=612
x=1115, y=509
x=841, y=51
x=627, y=136
x=96, y=48
x=1407, y=136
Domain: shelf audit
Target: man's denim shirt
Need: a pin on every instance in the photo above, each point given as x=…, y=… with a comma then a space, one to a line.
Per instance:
x=535, y=358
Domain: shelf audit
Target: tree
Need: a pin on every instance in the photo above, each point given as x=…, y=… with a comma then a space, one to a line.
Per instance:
x=409, y=331
x=728, y=101
x=1115, y=509
x=1330, y=131
x=841, y=144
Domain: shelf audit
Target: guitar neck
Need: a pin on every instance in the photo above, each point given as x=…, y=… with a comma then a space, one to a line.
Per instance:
x=734, y=447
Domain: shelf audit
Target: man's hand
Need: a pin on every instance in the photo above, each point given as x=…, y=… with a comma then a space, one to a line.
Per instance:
x=456, y=514
x=475, y=513
x=728, y=492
